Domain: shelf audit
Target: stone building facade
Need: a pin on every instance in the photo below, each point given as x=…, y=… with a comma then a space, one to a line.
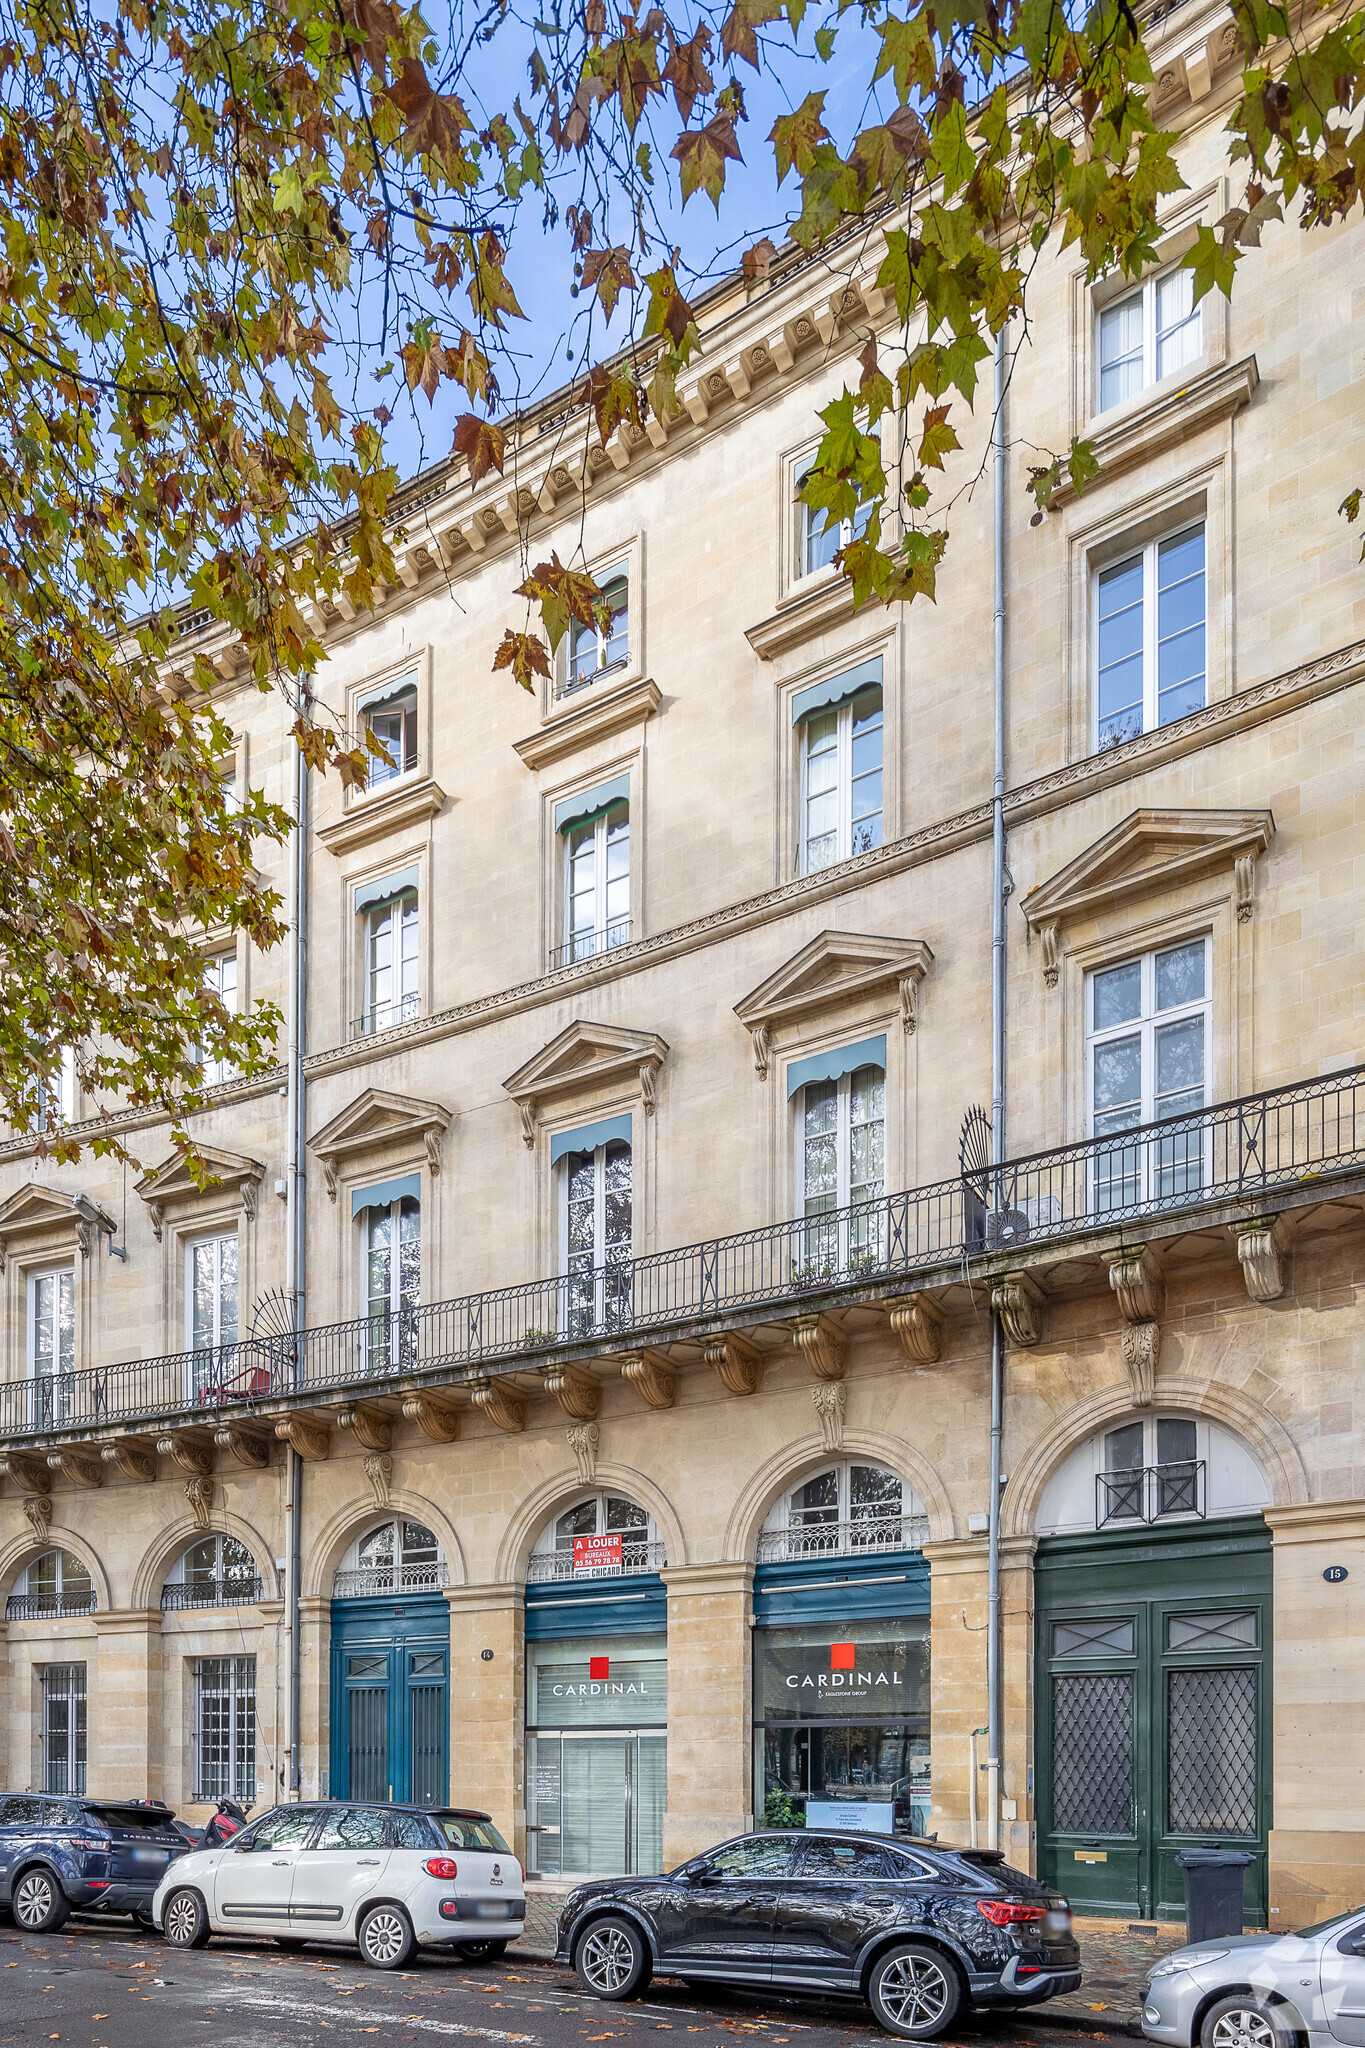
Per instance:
x=634, y=1544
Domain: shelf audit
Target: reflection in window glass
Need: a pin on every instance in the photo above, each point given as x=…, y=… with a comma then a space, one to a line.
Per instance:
x=1150, y=638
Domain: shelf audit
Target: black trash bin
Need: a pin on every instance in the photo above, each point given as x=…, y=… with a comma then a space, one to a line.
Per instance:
x=1213, y=1891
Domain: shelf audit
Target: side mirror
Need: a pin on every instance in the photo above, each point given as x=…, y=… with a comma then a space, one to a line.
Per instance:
x=240, y=1848
x=705, y=1873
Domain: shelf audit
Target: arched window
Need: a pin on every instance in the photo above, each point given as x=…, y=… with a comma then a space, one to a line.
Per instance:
x=1153, y=1468
x=56, y=1583
x=394, y=1557
x=847, y=1509
x=603, y=1535
x=217, y=1571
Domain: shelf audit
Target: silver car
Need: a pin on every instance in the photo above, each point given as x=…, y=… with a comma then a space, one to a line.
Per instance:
x=1263, y=1990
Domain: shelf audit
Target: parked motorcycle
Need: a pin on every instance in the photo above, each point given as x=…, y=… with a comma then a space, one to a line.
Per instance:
x=221, y=1827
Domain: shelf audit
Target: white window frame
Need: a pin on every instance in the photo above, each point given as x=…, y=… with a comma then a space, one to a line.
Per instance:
x=231, y=1679
x=1150, y=1488
x=205, y=1361
x=403, y=1003
x=59, y=1405
x=378, y=773
x=1147, y=292
x=808, y=531
x=843, y=781
x=1145, y=1026
x=399, y=1344
x=606, y=933
x=568, y=685
x=252, y=1589
x=599, y=1232
x=1149, y=554
x=843, y=1139
x=215, y=976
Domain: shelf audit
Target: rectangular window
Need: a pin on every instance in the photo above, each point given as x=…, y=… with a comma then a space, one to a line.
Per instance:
x=596, y=885
x=1148, y=1027
x=52, y=1345
x=220, y=979
x=1148, y=334
x=392, y=1282
x=841, y=781
x=391, y=992
x=597, y=1231
x=1150, y=638
x=225, y=1729
x=604, y=644
x=210, y=1307
x=393, y=722
x=64, y=1728
x=841, y=1166
x=819, y=544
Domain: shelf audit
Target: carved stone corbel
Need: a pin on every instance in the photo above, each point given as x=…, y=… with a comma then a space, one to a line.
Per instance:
x=199, y=1494
x=1018, y=1299
x=1260, y=1242
x=38, y=1508
x=578, y=1393
x=431, y=1139
x=647, y=1087
x=737, y=1365
x=1141, y=1350
x=437, y=1419
x=1052, y=957
x=189, y=1449
x=502, y=1404
x=329, y=1175
x=157, y=1216
x=379, y=1472
x=907, y=990
x=312, y=1440
x=247, y=1446
x=830, y=1400
x=131, y=1458
x=249, y=1194
x=4, y=1255
x=823, y=1345
x=583, y=1442
x=1136, y=1277
x=918, y=1324
x=761, y=1041
x=1244, y=883
x=527, y=1112
x=369, y=1426
x=79, y=1466
x=654, y=1377
x=27, y=1469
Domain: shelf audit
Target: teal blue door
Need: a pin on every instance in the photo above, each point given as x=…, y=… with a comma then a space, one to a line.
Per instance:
x=391, y=1700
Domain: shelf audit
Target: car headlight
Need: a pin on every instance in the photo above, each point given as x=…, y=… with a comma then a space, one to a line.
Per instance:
x=1188, y=1959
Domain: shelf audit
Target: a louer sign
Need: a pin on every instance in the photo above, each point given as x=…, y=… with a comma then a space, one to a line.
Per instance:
x=597, y=1553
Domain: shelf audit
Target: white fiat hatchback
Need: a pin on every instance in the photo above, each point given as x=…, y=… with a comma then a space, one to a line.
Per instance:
x=390, y=1878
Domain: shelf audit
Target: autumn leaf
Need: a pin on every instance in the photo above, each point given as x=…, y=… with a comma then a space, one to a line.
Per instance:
x=938, y=438
x=794, y=136
x=607, y=271
x=424, y=360
x=490, y=293
x=524, y=654
x=563, y=595
x=874, y=386
x=481, y=444
x=373, y=23
x=702, y=153
x=433, y=121
x=669, y=312
x=758, y=261
x=631, y=67
x=686, y=71
x=614, y=396
x=737, y=37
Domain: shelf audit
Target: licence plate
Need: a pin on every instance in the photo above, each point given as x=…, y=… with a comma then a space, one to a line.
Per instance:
x=1058, y=1923
x=492, y=1909
x=149, y=1855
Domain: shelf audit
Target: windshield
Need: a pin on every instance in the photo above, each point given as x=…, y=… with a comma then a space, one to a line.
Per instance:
x=1322, y=1926
x=470, y=1834
x=130, y=1817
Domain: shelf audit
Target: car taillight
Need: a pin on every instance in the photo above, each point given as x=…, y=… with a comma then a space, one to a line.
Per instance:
x=1008, y=1912
x=84, y=1842
x=441, y=1866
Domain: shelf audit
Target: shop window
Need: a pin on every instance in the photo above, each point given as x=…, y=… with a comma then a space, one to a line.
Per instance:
x=602, y=645
x=603, y=1536
x=217, y=1571
x=391, y=1280
x=398, y=1556
x=847, y=1509
x=841, y=781
x=225, y=1729
x=52, y=1345
x=392, y=721
x=64, y=1727
x=596, y=1773
x=1151, y=659
x=596, y=1233
x=841, y=1735
x=1148, y=1030
x=1146, y=335
x=55, y=1584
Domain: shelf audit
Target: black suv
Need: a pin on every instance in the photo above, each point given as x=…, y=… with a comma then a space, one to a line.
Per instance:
x=920, y=1932
x=59, y=1856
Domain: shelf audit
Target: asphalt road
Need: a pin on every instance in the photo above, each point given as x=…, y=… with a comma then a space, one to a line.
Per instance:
x=97, y=1986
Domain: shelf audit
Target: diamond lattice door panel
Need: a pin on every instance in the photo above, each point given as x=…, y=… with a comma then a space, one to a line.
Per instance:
x=1211, y=1751
x=1092, y=1753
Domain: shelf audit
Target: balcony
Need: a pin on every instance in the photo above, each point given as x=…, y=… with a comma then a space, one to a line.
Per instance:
x=211, y=1593
x=47, y=1607
x=1236, y=1165
x=861, y=1538
x=587, y=945
x=555, y=1567
x=1149, y=1493
x=382, y=1582
x=387, y=1017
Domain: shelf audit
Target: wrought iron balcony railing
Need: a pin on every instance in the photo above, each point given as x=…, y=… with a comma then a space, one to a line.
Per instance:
x=387, y=1016
x=381, y=1582
x=1146, y=1493
x=859, y=1538
x=550, y=1567
x=1287, y=1142
x=47, y=1607
x=587, y=945
x=211, y=1593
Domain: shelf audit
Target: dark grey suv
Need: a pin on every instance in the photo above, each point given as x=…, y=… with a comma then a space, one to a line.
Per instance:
x=59, y=1856
x=920, y=1932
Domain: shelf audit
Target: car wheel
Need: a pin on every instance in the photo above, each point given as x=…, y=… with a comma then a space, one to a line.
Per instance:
x=185, y=1920
x=482, y=1951
x=915, y=1992
x=293, y=1942
x=39, y=1903
x=612, y=1959
x=1243, y=2023
x=386, y=1938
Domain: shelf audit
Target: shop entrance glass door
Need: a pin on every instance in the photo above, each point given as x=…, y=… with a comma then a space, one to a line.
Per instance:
x=597, y=1803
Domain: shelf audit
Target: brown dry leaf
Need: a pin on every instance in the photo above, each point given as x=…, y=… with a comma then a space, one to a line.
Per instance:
x=481, y=443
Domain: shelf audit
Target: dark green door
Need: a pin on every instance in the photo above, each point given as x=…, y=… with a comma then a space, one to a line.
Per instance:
x=1153, y=1697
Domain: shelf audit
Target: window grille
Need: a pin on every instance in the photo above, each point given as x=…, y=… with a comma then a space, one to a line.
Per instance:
x=225, y=1729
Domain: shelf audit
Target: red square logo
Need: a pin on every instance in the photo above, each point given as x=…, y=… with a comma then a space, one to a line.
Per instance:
x=841, y=1656
x=599, y=1667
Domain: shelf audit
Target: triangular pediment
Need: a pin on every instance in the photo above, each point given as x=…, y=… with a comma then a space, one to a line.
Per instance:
x=1148, y=852
x=172, y=1181
x=376, y=1118
x=833, y=968
x=34, y=1209
x=583, y=1054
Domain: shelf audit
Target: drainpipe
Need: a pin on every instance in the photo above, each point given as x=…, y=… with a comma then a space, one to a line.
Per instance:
x=296, y=1270
x=993, y=1632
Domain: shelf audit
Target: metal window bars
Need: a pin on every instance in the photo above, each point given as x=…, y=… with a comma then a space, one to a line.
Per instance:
x=47, y=1606
x=240, y=1592
x=225, y=1729
x=378, y=1581
x=1147, y=1493
x=387, y=1016
x=1288, y=1139
x=586, y=945
x=860, y=1537
x=551, y=1566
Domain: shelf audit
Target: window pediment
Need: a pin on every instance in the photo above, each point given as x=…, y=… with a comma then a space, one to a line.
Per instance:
x=172, y=1184
x=43, y=1214
x=834, y=968
x=581, y=1057
x=1149, y=852
x=377, y=1118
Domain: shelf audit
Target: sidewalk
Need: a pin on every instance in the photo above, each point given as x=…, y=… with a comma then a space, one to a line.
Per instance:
x=1114, y=1961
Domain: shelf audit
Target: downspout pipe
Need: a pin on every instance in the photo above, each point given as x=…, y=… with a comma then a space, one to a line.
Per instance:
x=297, y=1241
x=994, y=1732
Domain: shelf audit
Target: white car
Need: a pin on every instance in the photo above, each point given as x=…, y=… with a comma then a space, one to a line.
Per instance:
x=390, y=1878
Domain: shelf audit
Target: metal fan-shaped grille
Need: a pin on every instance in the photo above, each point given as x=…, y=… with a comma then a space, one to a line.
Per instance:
x=974, y=1149
x=273, y=1314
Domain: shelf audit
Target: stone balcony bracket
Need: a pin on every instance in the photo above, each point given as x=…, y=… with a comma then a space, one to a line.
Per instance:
x=737, y=1365
x=1136, y=1276
x=189, y=1449
x=310, y=1438
x=248, y=1446
x=437, y=1419
x=823, y=1345
x=1019, y=1300
x=371, y=1427
x=578, y=1393
x=131, y=1457
x=1261, y=1242
x=654, y=1377
x=79, y=1464
x=917, y=1323
x=500, y=1401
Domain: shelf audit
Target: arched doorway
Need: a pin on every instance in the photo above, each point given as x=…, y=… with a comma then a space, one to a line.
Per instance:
x=596, y=1692
x=1153, y=1605
x=391, y=1667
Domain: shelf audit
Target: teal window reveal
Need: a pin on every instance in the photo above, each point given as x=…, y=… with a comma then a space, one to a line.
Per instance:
x=384, y=1193
x=591, y=803
x=386, y=889
x=589, y=1136
x=830, y=1066
x=835, y=690
x=841, y=775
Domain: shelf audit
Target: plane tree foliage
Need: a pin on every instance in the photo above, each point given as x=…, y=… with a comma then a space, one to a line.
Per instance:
x=236, y=236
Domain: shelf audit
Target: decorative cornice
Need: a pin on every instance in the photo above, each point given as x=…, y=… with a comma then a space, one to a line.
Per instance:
x=375, y=1119
x=805, y=614
x=834, y=968
x=375, y=816
x=573, y=730
x=1145, y=429
x=1150, y=849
